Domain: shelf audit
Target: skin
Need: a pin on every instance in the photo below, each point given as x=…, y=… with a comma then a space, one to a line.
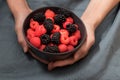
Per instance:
x=92, y=17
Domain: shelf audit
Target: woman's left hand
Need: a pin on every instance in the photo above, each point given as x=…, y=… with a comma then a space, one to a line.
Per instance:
x=81, y=53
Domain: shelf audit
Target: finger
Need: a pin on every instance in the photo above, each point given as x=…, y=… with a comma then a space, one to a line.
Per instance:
x=82, y=52
x=61, y=63
x=21, y=40
x=39, y=59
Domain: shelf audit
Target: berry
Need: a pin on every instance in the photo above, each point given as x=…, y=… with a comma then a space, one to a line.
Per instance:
x=51, y=49
x=50, y=18
x=64, y=32
x=77, y=34
x=62, y=47
x=70, y=47
x=40, y=30
x=30, y=33
x=56, y=28
x=56, y=38
x=42, y=47
x=64, y=39
x=71, y=28
x=65, y=24
x=48, y=24
x=59, y=19
x=45, y=39
x=39, y=17
x=64, y=12
x=69, y=19
x=34, y=24
x=49, y=13
x=35, y=41
x=73, y=40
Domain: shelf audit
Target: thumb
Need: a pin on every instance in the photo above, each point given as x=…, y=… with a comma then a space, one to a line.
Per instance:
x=21, y=39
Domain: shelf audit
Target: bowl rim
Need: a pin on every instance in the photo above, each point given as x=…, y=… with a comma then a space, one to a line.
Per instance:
x=59, y=53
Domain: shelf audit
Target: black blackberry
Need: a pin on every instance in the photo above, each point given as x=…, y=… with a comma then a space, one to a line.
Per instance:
x=51, y=49
x=64, y=12
x=40, y=17
x=56, y=38
x=71, y=28
x=48, y=24
x=45, y=39
x=59, y=19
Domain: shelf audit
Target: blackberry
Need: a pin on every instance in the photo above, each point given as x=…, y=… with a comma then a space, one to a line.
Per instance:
x=59, y=19
x=48, y=24
x=71, y=28
x=64, y=12
x=45, y=39
x=56, y=38
x=39, y=17
x=51, y=49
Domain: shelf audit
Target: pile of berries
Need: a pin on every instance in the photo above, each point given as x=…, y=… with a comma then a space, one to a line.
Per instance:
x=53, y=32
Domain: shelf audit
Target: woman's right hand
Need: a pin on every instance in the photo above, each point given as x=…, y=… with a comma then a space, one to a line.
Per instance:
x=19, y=19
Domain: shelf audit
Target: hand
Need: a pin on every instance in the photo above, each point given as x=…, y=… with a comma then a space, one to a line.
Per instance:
x=81, y=53
x=19, y=19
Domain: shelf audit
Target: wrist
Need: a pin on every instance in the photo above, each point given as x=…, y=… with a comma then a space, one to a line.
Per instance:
x=91, y=21
x=21, y=13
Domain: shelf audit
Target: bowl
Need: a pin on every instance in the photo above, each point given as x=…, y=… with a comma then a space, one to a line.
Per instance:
x=54, y=56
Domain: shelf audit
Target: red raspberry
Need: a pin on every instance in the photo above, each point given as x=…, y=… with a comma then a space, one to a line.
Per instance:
x=56, y=28
x=77, y=34
x=34, y=24
x=50, y=18
x=62, y=47
x=35, y=41
x=49, y=13
x=70, y=47
x=40, y=30
x=65, y=24
x=64, y=32
x=64, y=39
x=73, y=40
x=69, y=19
x=30, y=33
x=42, y=47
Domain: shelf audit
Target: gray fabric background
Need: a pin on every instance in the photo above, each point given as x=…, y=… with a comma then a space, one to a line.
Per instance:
x=102, y=62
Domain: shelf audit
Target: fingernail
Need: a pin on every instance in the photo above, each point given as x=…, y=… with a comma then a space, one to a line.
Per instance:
x=25, y=49
x=50, y=66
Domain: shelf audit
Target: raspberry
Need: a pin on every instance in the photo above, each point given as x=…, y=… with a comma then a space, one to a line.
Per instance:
x=65, y=24
x=69, y=19
x=48, y=24
x=42, y=47
x=30, y=33
x=51, y=49
x=56, y=38
x=64, y=32
x=59, y=19
x=71, y=28
x=64, y=12
x=62, y=47
x=64, y=39
x=45, y=39
x=49, y=13
x=56, y=28
x=73, y=40
x=40, y=30
x=77, y=34
x=34, y=24
x=70, y=47
x=39, y=17
x=35, y=41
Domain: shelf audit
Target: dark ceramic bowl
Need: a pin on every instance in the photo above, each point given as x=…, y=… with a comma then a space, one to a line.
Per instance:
x=54, y=56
